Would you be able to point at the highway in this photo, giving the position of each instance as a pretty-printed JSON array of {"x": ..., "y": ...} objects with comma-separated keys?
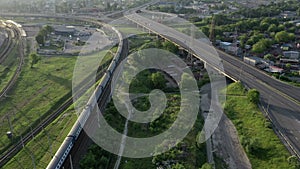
[{"x": 280, "y": 99}]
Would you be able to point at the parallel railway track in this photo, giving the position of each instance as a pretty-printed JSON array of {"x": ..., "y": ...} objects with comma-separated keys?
[
  {"x": 81, "y": 144},
  {"x": 48, "y": 120},
  {"x": 18, "y": 40},
  {"x": 9, "y": 45}
]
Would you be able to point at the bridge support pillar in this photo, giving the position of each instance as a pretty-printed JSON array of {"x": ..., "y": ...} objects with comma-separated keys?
[{"x": 182, "y": 52}]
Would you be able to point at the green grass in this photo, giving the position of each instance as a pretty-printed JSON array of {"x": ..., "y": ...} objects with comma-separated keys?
[
  {"x": 38, "y": 92},
  {"x": 262, "y": 146},
  {"x": 44, "y": 145},
  {"x": 131, "y": 30}
]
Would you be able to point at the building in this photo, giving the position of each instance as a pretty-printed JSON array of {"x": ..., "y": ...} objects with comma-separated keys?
[
  {"x": 288, "y": 14},
  {"x": 253, "y": 60},
  {"x": 274, "y": 69},
  {"x": 291, "y": 55},
  {"x": 286, "y": 47},
  {"x": 50, "y": 7},
  {"x": 64, "y": 30},
  {"x": 225, "y": 45}
]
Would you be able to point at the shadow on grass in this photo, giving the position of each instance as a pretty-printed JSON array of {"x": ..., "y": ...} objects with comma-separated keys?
[{"x": 59, "y": 80}]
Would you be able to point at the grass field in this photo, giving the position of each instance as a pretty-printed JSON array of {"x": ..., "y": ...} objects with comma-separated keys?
[
  {"x": 131, "y": 30},
  {"x": 44, "y": 146},
  {"x": 262, "y": 146},
  {"x": 38, "y": 92},
  {"x": 49, "y": 140}
]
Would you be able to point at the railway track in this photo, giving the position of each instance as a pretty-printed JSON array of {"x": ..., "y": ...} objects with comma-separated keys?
[
  {"x": 5, "y": 157},
  {"x": 9, "y": 45},
  {"x": 4, "y": 55},
  {"x": 83, "y": 141}
]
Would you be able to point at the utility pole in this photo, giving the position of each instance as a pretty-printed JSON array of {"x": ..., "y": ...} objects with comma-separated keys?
[
  {"x": 192, "y": 43},
  {"x": 71, "y": 162},
  {"x": 235, "y": 41},
  {"x": 10, "y": 126},
  {"x": 212, "y": 29}
]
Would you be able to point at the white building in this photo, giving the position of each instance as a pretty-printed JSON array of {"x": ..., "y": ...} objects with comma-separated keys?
[
  {"x": 291, "y": 54},
  {"x": 252, "y": 60}
]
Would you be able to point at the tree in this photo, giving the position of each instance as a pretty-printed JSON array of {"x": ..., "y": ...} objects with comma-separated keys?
[
  {"x": 261, "y": 45},
  {"x": 34, "y": 59},
  {"x": 48, "y": 29},
  {"x": 253, "y": 96},
  {"x": 292, "y": 30},
  {"x": 43, "y": 33},
  {"x": 89, "y": 161},
  {"x": 158, "y": 44},
  {"x": 294, "y": 161},
  {"x": 281, "y": 27},
  {"x": 264, "y": 26},
  {"x": 288, "y": 66},
  {"x": 170, "y": 47},
  {"x": 103, "y": 161},
  {"x": 284, "y": 36},
  {"x": 267, "y": 56},
  {"x": 243, "y": 39},
  {"x": 256, "y": 37},
  {"x": 272, "y": 28},
  {"x": 205, "y": 30},
  {"x": 253, "y": 146},
  {"x": 40, "y": 39},
  {"x": 158, "y": 80},
  {"x": 258, "y": 47},
  {"x": 178, "y": 166},
  {"x": 206, "y": 166}
]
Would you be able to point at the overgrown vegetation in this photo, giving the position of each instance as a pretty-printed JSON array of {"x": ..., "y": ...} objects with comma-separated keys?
[
  {"x": 262, "y": 146},
  {"x": 34, "y": 59},
  {"x": 187, "y": 154}
]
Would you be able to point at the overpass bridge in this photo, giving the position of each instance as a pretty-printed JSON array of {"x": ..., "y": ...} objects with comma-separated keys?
[{"x": 280, "y": 101}]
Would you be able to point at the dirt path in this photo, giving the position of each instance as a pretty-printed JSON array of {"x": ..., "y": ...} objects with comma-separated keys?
[{"x": 227, "y": 145}]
